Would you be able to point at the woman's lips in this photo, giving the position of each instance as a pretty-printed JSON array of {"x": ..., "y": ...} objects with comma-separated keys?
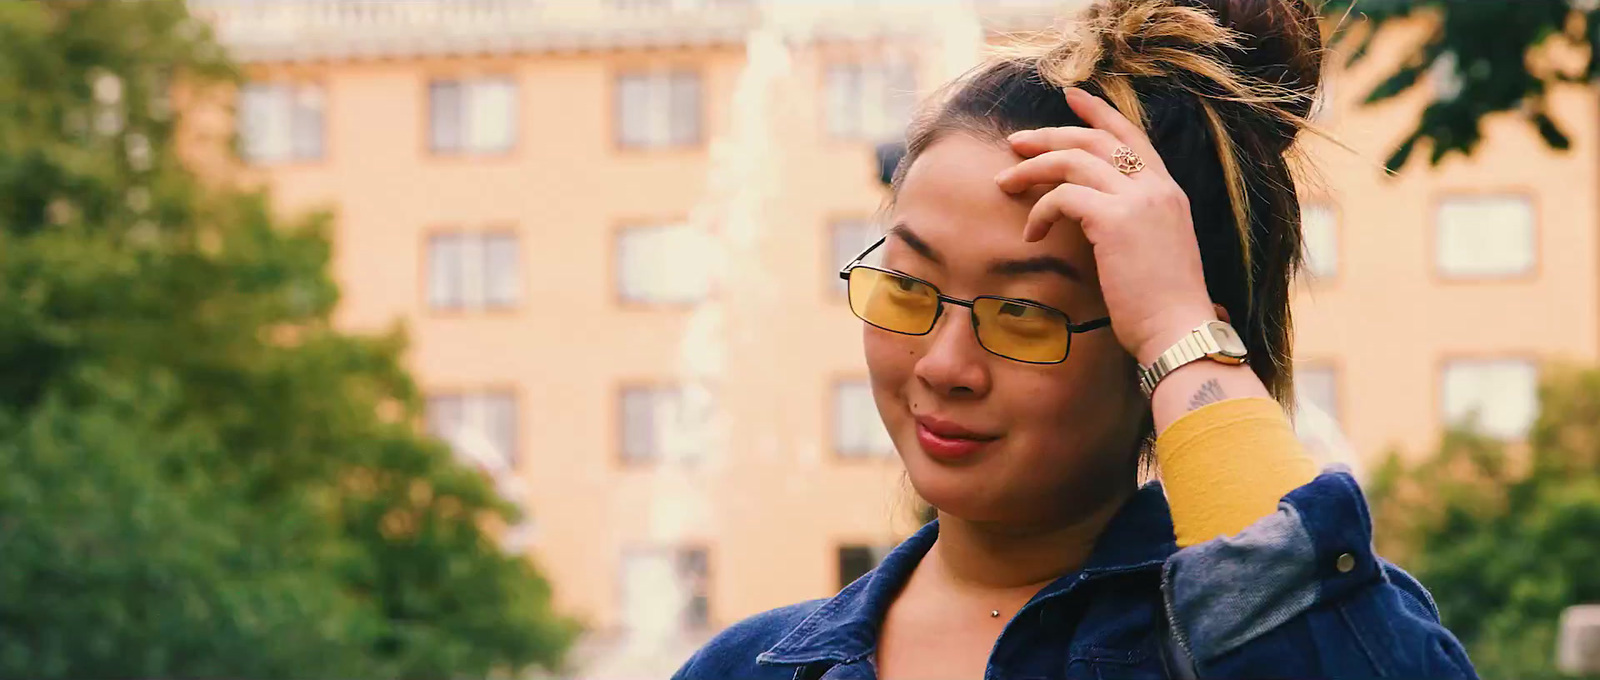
[{"x": 947, "y": 441}]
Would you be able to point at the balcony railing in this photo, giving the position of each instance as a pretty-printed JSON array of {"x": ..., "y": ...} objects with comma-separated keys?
[
  {"x": 292, "y": 30},
  {"x": 296, "y": 30}
]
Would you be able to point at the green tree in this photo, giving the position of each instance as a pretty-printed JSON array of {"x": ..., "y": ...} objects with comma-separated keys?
[
  {"x": 1505, "y": 537},
  {"x": 199, "y": 475},
  {"x": 1491, "y": 49}
]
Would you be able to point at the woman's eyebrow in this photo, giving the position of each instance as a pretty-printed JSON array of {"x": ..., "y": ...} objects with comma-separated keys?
[
  {"x": 1031, "y": 265},
  {"x": 910, "y": 238},
  {"x": 1035, "y": 265}
]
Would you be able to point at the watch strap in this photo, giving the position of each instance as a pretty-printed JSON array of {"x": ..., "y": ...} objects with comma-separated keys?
[{"x": 1196, "y": 345}]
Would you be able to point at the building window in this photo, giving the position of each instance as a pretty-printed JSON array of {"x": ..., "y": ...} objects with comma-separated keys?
[
  {"x": 1317, "y": 387},
  {"x": 479, "y": 426},
  {"x": 655, "y": 425},
  {"x": 1499, "y": 398},
  {"x": 477, "y": 116},
  {"x": 1320, "y": 227},
  {"x": 857, "y": 430},
  {"x": 470, "y": 271},
  {"x": 281, "y": 122},
  {"x": 846, "y": 239},
  {"x": 1485, "y": 236},
  {"x": 658, "y": 109},
  {"x": 856, "y": 560},
  {"x": 870, "y": 101},
  {"x": 667, "y": 264},
  {"x": 666, "y": 590}
]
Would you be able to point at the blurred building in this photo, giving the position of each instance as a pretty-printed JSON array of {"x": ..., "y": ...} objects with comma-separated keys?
[{"x": 612, "y": 228}]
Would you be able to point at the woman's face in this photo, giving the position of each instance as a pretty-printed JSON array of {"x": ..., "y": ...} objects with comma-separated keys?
[{"x": 1043, "y": 442}]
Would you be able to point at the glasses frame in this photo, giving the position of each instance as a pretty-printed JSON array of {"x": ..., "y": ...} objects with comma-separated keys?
[{"x": 1072, "y": 328}]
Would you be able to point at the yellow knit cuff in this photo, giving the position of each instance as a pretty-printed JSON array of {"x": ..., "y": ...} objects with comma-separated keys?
[{"x": 1227, "y": 464}]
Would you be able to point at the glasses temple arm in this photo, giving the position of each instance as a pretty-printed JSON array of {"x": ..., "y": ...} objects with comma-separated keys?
[
  {"x": 844, "y": 273},
  {"x": 1087, "y": 326}
]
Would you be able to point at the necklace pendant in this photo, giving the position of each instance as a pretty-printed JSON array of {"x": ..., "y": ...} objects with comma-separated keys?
[{"x": 994, "y": 613}]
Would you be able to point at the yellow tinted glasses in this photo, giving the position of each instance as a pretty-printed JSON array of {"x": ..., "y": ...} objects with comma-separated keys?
[{"x": 1020, "y": 330}]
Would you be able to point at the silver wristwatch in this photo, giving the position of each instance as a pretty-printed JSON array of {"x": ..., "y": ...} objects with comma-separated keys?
[{"x": 1214, "y": 340}]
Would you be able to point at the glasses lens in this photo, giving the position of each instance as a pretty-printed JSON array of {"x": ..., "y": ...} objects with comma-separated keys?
[
  {"x": 1022, "y": 331},
  {"x": 893, "y": 302}
]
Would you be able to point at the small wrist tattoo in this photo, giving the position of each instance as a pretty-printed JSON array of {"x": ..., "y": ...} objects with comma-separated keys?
[{"x": 1209, "y": 393}]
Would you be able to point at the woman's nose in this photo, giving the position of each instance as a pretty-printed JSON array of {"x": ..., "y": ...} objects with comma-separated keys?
[{"x": 954, "y": 364}]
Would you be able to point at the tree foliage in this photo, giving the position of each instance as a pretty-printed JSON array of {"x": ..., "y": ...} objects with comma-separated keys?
[
  {"x": 199, "y": 475},
  {"x": 1488, "y": 51},
  {"x": 1506, "y": 537}
]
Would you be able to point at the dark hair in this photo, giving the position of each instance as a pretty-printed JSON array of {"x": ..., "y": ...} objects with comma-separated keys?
[{"x": 1223, "y": 88}]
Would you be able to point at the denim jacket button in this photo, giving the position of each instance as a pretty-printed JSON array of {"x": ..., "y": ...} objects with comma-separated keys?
[{"x": 1345, "y": 563}]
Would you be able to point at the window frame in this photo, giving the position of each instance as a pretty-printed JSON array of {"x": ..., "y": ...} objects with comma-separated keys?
[
  {"x": 465, "y": 83},
  {"x": 836, "y": 289},
  {"x": 1337, "y": 217},
  {"x": 483, "y": 306},
  {"x": 831, "y": 413},
  {"x": 1441, "y": 373},
  {"x": 677, "y": 554},
  {"x": 878, "y": 550},
  {"x": 658, "y": 457},
  {"x": 1335, "y": 376},
  {"x": 514, "y": 458},
  {"x": 1435, "y": 242},
  {"x": 867, "y": 67},
  {"x": 659, "y": 80},
  {"x": 292, "y": 89},
  {"x": 617, "y": 270}
]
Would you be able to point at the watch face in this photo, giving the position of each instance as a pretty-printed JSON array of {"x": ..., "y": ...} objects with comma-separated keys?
[{"x": 1227, "y": 339}]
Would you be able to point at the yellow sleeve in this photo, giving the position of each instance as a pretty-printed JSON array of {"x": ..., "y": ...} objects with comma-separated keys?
[{"x": 1227, "y": 464}]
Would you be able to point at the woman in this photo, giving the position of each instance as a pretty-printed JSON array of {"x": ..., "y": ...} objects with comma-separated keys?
[{"x": 1077, "y": 231}]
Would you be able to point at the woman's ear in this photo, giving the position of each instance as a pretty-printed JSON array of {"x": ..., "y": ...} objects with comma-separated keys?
[{"x": 1222, "y": 313}]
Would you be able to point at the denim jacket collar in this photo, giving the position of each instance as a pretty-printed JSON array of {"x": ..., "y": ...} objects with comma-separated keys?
[{"x": 844, "y": 629}]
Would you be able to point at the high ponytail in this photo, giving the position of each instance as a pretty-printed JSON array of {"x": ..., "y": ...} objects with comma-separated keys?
[{"x": 1223, "y": 88}]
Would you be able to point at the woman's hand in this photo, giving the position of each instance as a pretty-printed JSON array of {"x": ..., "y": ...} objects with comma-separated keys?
[{"x": 1139, "y": 224}]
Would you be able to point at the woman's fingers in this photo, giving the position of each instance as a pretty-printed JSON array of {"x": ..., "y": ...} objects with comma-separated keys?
[
  {"x": 1065, "y": 202},
  {"x": 1030, "y": 143},
  {"x": 1078, "y": 162},
  {"x": 1102, "y": 115},
  {"x": 1072, "y": 166}
]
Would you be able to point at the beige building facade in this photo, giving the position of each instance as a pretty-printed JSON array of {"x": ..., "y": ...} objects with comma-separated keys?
[{"x": 611, "y": 231}]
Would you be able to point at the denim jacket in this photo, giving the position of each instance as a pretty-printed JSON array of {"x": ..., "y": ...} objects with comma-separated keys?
[{"x": 1298, "y": 594}]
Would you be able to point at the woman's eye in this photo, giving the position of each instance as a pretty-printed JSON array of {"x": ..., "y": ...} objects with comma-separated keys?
[
  {"x": 908, "y": 292},
  {"x": 1018, "y": 312},
  {"x": 1019, "y": 318}
]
